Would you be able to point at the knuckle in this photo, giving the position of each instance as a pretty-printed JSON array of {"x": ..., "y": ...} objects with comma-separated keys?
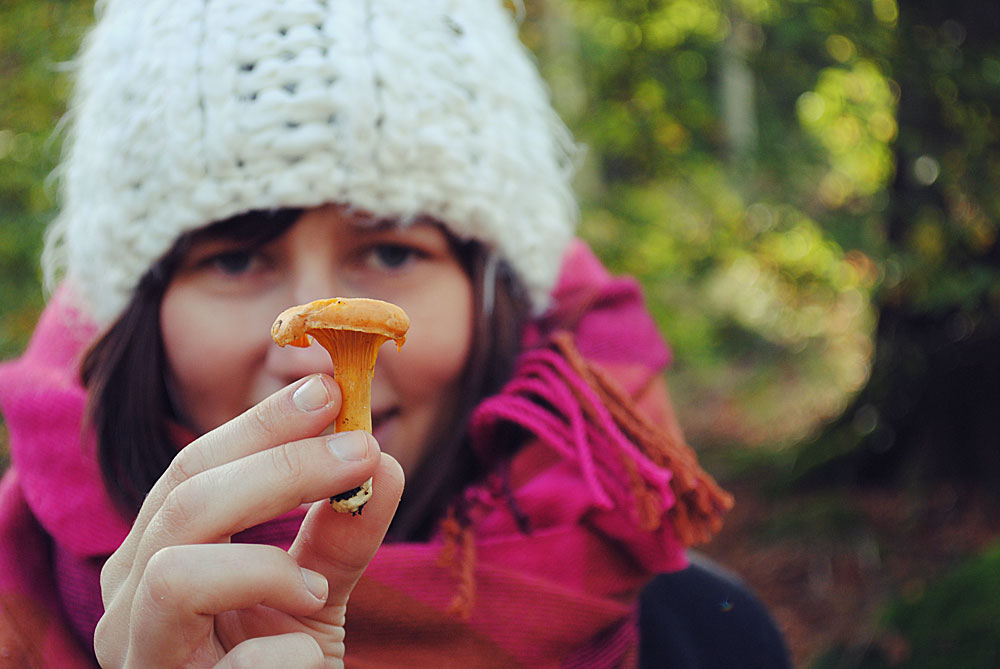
[
  {"x": 104, "y": 643},
  {"x": 161, "y": 576},
  {"x": 287, "y": 464},
  {"x": 185, "y": 465},
  {"x": 111, "y": 577},
  {"x": 263, "y": 419},
  {"x": 181, "y": 507}
]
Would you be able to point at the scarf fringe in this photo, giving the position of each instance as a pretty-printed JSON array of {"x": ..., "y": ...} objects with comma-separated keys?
[
  {"x": 459, "y": 553},
  {"x": 577, "y": 408},
  {"x": 700, "y": 502}
]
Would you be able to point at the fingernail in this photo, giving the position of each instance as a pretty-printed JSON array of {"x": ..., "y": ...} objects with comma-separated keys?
[
  {"x": 349, "y": 445},
  {"x": 311, "y": 395},
  {"x": 316, "y": 583}
]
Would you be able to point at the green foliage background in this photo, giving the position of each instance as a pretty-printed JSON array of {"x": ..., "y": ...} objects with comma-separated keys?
[
  {"x": 37, "y": 39},
  {"x": 740, "y": 156}
]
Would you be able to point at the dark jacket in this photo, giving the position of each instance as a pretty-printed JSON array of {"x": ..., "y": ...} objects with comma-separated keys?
[{"x": 705, "y": 617}]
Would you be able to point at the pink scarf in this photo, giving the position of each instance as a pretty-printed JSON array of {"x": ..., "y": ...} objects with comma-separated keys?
[
  {"x": 57, "y": 524},
  {"x": 539, "y": 565}
]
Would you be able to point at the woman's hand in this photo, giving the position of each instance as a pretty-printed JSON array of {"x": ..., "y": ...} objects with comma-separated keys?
[{"x": 178, "y": 593}]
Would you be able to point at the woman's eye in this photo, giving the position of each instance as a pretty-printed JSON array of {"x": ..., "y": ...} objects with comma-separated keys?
[
  {"x": 392, "y": 256},
  {"x": 233, "y": 263}
]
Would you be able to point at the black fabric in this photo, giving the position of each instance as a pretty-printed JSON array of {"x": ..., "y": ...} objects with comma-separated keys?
[{"x": 705, "y": 617}]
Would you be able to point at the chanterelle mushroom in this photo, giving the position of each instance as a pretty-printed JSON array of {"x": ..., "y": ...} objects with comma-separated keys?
[{"x": 351, "y": 330}]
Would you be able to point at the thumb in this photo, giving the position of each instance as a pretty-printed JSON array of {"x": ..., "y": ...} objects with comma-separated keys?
[{"x": 340, "y": 545}]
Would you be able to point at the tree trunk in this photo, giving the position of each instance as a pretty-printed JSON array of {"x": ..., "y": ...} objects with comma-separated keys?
[{"x": 931, "y": 408}]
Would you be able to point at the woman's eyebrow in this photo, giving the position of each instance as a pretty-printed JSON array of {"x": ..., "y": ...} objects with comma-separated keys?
[
  {"x": 251, "y": 233},
  {"x": 383, "y": 224},
  {"x": 252, "y": 227},
  {"x": 372, "y": 224}
]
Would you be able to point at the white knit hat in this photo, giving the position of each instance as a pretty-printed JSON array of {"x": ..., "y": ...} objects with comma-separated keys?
[{"x": 187, "y": 112}]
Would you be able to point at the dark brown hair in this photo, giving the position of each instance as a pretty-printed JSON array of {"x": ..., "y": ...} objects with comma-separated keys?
[
  {"x": 449, "y": 464},
  {"x": 131, "y": 411}
]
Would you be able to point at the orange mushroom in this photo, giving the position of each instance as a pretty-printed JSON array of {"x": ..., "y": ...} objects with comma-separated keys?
[{"x": 351, "y": 330}]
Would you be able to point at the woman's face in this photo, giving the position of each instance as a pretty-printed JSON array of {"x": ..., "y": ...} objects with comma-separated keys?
[{"x": 218, "y": 309}]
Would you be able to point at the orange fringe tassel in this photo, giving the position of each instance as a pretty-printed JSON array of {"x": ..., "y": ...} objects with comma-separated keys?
[
  {"x": 701, "y": 502},
  {"x": 458, "y": 537}
]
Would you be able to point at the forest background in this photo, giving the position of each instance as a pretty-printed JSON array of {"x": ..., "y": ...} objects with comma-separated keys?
[{"x": 808, "y": 193}]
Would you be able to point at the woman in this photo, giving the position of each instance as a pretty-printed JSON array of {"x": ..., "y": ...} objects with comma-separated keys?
[{"x": 228, "y": 160}]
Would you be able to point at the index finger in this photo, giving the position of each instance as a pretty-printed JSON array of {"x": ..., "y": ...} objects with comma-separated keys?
[{"x": 300, "y": 410}]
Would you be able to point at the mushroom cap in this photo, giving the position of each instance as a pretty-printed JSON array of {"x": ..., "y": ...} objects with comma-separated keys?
[{"x": 358, "y": 314}]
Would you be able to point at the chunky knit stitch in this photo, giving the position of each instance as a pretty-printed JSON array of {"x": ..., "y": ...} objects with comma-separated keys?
[{"x": 188, "y": 112}]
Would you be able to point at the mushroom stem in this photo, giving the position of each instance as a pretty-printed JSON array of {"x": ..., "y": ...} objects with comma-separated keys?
[{"x": 353, "y": 355}]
